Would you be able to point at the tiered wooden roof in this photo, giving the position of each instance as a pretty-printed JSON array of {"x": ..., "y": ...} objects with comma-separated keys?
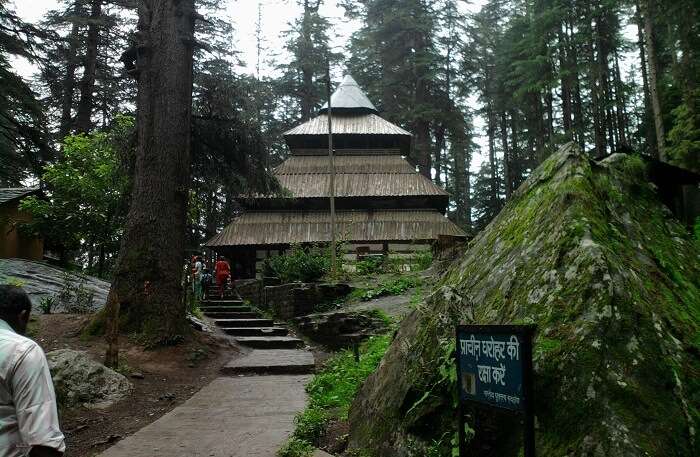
[
  {"x": 379, "y": 194},
  {"x": 287, "y": 227}
]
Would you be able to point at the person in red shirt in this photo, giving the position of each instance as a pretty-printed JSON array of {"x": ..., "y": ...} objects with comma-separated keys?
[{"x": 222, "y": 272}]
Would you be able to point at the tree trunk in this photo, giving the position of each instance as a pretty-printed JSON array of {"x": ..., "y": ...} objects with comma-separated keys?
[
  {"x": 439, "y": 146},
  {"x": 653, "y": 79},
  {"x": 307, "y": 81},
  {"x": 69, "y": 78},
  {"x": 146, "y": 288},
  {"x": 491, "y": 132},
  {"x": 507, "y": 181},
  {"x": 648, "y": 117},
  {"x": 621, "y": 109},
  {"x": 87, "y": 82},
  {"x": 462, "y": 188},
  {"x": 564, "y": 71}
]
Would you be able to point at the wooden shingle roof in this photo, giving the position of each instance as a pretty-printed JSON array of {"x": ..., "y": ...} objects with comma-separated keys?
[
  {"x": 356, "y": 176},
  {"x": 348, "y": 124},
  {"x": 288, "y": 227},
  {"x": 8, "y": 194}
]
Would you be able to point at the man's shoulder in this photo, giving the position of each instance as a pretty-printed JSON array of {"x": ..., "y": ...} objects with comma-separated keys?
[{"x": 19, "y": 342}]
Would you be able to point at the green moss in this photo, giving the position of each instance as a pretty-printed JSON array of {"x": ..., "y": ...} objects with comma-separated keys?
[{"x": 587, "y": 252}]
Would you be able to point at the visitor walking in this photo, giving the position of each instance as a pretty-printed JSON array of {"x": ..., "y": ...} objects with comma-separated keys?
[
  {"x": 197, "y": 278},
  {"x": 28, "y": 416},
  {"x": 222, "y": 272}
]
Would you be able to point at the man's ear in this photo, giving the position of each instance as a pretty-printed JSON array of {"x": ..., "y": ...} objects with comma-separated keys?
[{"x": 24, "y": 316}]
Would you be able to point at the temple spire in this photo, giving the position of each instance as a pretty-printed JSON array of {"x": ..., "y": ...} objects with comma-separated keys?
[{"x": 349, "y": 98}]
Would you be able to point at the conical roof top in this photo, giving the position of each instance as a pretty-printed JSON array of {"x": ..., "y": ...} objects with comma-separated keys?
[{"x": 349, "y": 98}]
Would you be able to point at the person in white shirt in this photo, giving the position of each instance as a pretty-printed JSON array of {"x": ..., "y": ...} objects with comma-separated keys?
[
  {"x": 198, "y": 267},
  {"x": 28, "y": 415}
]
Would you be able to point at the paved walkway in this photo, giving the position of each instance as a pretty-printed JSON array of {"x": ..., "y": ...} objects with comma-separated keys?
[
  {"x": 236, "y": 416},
  {"x": 231, "y": 417}
]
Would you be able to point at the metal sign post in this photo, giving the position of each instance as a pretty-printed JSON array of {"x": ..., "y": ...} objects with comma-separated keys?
[{"x": 494, "y": 369}]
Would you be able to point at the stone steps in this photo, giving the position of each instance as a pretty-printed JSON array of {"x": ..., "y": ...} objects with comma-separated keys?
[
  {"x": 226, "y": 309},
  {"x": 272, "y": 361},
  {"x": 256, "y": 331},
  {"x": 221, "y": 303},
  {"x": 270, "y": 342},
  {"x": 236, "y": 323},
  {"x": 250, "y": 329},
  {"x": 232, "y": 315},
  {"x": 228, "y": 315}
]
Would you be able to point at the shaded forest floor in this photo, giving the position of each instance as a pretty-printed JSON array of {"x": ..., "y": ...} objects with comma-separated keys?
[{"x": 171, "y": 375}]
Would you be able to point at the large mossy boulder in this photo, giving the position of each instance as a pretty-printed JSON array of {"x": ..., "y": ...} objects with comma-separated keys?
[
  {"x": 586, "y": 251},
  {"x": 81, "y": 381}
]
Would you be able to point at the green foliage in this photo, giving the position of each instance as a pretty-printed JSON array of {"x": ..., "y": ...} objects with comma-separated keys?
[
  {"x": 23, "y": 139},
  {"x": 12, "y": 281},
  {"x": 684, "y": 137},
  {"x": 300, "y": 264},
  {"x": 310, "y": 424},
  {"x": 331, "y": 392},
  {"x": 394, "y": 287},
  {"x": 295, "y": 447},
  {"x": 370, "y": 265},
  {"x": 47, "y": 304},
  {"x": 74, "y": 297},
  {"x": 85, "y": 210},
  {"x": 696, "y": 229},
  {"x": 335, "y": 386},
  {"x": 423, "y": 260}
]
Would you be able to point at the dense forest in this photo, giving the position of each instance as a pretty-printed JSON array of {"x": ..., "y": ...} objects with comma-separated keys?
[{"x": 610, "y": 75}]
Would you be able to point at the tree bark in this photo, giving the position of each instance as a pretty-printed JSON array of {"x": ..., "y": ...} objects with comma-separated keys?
[
  {"x": 491, "y": 132},
  {"x": 83, "y": 121},
  {"x": 648, "y": 117},
  {"x": 146, "y": 289},
  {"x": 307, "y": 81},
  {"x": 69, "y": 77},
  {"x": 653, "y": 79},
  {"x": 507, "y": 181}
]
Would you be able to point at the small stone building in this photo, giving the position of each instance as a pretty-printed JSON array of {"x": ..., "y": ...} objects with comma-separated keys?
[
  {"x": 383, "y": 205},
  {"x": 13, "y": 244}
]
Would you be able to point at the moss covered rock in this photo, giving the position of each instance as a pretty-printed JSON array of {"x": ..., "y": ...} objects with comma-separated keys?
[{"x": 586, "y": 251}]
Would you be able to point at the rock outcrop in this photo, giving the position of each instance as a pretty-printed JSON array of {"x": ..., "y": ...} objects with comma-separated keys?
[
  {"x": 80, "y": 381},
  {"x": 586, "y": 251},
  {"x": 341, "y": 329},
  {"x": 41, "y": 280}
]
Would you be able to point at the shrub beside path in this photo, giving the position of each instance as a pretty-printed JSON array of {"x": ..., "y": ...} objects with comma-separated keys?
[{"x": 249, "y": 411}]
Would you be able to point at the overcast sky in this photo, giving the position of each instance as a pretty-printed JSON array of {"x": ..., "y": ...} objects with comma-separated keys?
[{"x": 243, "y": 14}]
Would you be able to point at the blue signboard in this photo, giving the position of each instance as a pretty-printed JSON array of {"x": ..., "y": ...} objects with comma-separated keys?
[{"x": 494, "y": 364}]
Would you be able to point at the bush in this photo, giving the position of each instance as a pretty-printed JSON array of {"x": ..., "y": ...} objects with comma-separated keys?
[
  {"x": 331, "y": 392},
  {"x": 370, "y": 265},
  {"x": 300, "y": 264},
  {"x": 697, "y": 229},
  {"x": 423, "y": 260},
  {"x": 75, "y": 298},
  {"x": 395, "y": 287},
  {"x": 46, "y": 304},
  {"x": 310, "y": 424},
  {"x": 295, "y": 448}
]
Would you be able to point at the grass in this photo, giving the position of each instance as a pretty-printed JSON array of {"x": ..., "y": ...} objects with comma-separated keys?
[
  {"x": 331, "y": 393},
  {"x": 393, "y": 287}
]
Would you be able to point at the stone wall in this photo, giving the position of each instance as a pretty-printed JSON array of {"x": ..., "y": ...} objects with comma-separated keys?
[
  {"x": 299, "y": 299},
  {"x": 251, "y": 290}
]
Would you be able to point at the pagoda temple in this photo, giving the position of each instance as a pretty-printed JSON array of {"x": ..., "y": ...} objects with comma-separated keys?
[{"x": 383, "y": 205}]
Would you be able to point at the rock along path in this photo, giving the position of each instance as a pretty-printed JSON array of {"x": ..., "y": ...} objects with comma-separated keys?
[{"x": 235, "y": 415}]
